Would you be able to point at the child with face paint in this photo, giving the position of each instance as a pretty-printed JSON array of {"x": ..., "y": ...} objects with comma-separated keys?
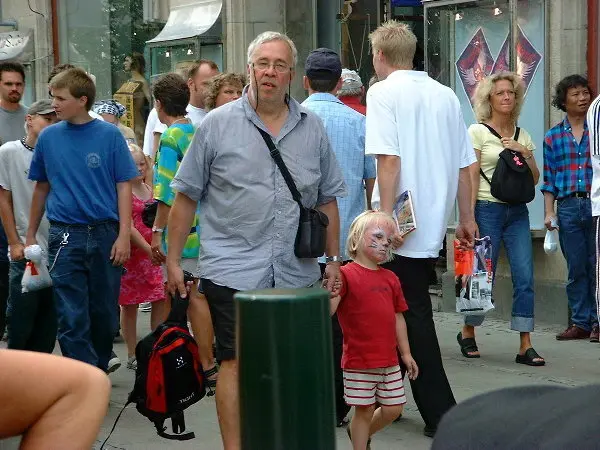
[{"x": 369, "y": 308}]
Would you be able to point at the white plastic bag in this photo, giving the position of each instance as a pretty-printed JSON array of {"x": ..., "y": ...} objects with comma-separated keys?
[
  {"x": 551, "y": 241},
  {"x": 36, "y": 274},
  {"x": 473, "y": 278}
]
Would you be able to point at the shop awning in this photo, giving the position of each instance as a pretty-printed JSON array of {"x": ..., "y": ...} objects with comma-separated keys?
[
  {"x": 16, "y": 46},
  {"x": 189, "y": 20}
]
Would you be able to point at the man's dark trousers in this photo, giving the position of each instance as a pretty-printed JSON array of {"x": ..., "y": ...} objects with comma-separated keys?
[{"x": 431, "y": 390}]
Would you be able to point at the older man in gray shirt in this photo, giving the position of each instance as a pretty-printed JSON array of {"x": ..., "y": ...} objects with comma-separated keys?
[{"x": 248, "y": 217}]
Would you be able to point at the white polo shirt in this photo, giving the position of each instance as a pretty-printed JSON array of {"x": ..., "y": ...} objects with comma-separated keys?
[
  {"x": 593, "y": 121},
  {"x": 411, "y": 116},
  {"x": 153, "y": 125}
]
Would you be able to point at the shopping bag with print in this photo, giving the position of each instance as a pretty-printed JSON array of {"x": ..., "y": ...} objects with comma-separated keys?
[
  {"x": 473, "y": 278},
  {"x": 36, "y": 274}
]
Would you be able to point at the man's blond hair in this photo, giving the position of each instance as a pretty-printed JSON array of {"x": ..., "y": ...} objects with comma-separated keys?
[{"x": 396, "y": 41}]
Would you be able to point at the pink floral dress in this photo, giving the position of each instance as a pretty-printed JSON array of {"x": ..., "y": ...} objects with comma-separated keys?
[{"x": 143, "y": 281}]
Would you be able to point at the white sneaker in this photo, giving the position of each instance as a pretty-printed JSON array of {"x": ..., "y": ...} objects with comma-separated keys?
[
  {"x": 145, "y": 307},
  {"x": 113, "y": 363}
]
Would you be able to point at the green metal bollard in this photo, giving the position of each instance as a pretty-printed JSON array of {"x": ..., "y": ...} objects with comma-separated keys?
[{"x": 285, "y": 369}]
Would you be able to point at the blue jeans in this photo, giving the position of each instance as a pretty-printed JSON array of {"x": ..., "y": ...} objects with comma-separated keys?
[
  {"x": 86, "y": 289},
  {"x": 510, "y": 225},
  {"x": 31, "y": 315},
  {"x": 576, "y": 236}
]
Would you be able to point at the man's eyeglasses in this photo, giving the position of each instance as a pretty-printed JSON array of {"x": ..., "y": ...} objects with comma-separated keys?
[{"x": 264, "y": 65}]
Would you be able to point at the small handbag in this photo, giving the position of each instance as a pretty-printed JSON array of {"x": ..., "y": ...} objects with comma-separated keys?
[
  {"x": 311, "y": 236},
  {"x": 149, "y": 213},
  {"x": 512, "y": 181}
]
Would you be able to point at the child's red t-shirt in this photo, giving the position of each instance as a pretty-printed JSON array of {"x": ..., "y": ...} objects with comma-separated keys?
[{"x": 367, "y": 315}]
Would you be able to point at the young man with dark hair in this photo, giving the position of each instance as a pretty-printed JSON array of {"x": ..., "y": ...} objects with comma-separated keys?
[
  {"x": 346, "y": 132},
  {"x": 32, "y": 316},
  {"x": 83, "y": 169},
  {"x": 567, "y": 180}
]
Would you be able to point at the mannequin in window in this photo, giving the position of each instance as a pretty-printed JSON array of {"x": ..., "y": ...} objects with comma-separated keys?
[{"x": 135, "y": 64}]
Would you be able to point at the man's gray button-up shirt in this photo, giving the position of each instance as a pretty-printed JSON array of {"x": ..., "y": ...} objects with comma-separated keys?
[{"x": 248, "y": 218}]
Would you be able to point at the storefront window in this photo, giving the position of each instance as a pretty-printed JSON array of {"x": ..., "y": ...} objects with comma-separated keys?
[
  {"x": 467, "y": 41},
  {"x": 167, "y": 57},
  {"x": 97, "y": 35}
]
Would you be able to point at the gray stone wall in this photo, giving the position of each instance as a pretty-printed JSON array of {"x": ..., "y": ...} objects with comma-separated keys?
[{"x": 244, "y": 20}]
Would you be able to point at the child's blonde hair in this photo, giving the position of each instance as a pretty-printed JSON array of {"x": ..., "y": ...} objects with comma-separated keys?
[
  {"x": 135, "y": 149},
  {"x": 358, "y": 227}
]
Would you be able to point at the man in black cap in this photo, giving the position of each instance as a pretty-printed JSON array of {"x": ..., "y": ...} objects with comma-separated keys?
[{"x": 346, "y": 132}]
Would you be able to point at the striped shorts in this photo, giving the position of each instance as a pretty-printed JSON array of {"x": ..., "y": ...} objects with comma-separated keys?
[{"x": 369, "y": 386}]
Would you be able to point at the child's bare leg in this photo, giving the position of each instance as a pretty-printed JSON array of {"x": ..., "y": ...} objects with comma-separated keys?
[
  {"x": 383, "y": 416},
  {"x": 360, "y": 425}
]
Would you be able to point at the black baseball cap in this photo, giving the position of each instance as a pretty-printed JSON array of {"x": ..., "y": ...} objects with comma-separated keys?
[{"x": 323, "y": 63}]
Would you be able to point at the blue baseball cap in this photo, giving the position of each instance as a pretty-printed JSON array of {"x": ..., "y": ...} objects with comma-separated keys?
[{"x": 323, "y": 63}]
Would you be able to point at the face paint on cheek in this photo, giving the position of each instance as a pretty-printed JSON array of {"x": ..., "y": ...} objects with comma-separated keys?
[{"x": 376, "y": 246}]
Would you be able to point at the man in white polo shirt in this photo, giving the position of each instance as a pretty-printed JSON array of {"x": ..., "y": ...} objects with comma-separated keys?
[
  {"x": 416, "y": 129},
  {"x": 593, "y": 121}
]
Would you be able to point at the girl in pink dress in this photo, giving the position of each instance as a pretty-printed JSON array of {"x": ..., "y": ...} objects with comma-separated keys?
[{"x": 143, "y": 282}]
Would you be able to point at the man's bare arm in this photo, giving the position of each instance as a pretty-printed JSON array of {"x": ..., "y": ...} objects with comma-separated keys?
[
  {"x": 332, "y": 247},
  {"x": 38, "y": 206},
  {"x": 388, "y": 176},
  {"x": 369, "y": 186},
  {"x": 8, "y": 217},
  {"x": 180, "y": 221},
  {"x": 466, "y": 230}
]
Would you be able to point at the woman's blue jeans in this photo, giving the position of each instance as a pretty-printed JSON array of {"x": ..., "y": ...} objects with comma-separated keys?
[{"x": 509, "y": 225}]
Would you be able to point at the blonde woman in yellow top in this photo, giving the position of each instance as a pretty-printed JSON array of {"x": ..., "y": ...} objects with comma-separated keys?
[{"x": 497, "y": 103}]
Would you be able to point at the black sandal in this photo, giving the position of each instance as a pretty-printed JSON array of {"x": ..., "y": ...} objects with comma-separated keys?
[
  {"x": 467, "y": 345},
  {"x": 528, "y": 358},
  {"x": 211, "y": 384}
]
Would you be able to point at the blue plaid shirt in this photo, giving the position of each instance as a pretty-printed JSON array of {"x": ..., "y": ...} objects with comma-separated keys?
[
  {"x": 567, "y": 163},
  {"x": 346, "y": 132}
]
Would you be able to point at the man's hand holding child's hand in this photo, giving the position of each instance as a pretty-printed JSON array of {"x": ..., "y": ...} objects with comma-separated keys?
[{"x": 411, "y": 366}]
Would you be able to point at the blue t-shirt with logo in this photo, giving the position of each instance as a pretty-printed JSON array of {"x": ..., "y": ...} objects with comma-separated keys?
[{"x": 83, "y": 164}]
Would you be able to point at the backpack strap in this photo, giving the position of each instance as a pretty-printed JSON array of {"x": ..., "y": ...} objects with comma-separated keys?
[
  {"x": 115, "y": 423},
  {"x": 179, "y": 306},
  {"x": 178, "y": 426},
  {"x": 495, "y": 133},
  {"x": 484, "y": 176}
]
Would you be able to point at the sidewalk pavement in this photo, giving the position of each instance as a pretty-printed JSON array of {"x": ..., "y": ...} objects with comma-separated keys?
[{"x": 571, "y": 363}]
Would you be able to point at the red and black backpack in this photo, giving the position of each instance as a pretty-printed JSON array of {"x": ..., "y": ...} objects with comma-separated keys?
[{"x": 169, "y": 376}]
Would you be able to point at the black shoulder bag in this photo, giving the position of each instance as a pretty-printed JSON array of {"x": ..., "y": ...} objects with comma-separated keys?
[
  {"x": 312, "y": 228},
  {"x": 512, "y": 181}
]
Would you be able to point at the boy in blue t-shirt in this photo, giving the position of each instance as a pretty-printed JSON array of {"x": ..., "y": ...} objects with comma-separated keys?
[{"x": 83, "y": 171}]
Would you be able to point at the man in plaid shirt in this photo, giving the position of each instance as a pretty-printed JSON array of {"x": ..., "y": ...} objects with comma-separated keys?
[{"x": 567, "y": 179}]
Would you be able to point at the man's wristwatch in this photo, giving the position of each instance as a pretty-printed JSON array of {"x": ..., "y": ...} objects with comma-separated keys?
[
  {"x": 330, "y": 259},
  {"x": 157, "y": 230}
]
